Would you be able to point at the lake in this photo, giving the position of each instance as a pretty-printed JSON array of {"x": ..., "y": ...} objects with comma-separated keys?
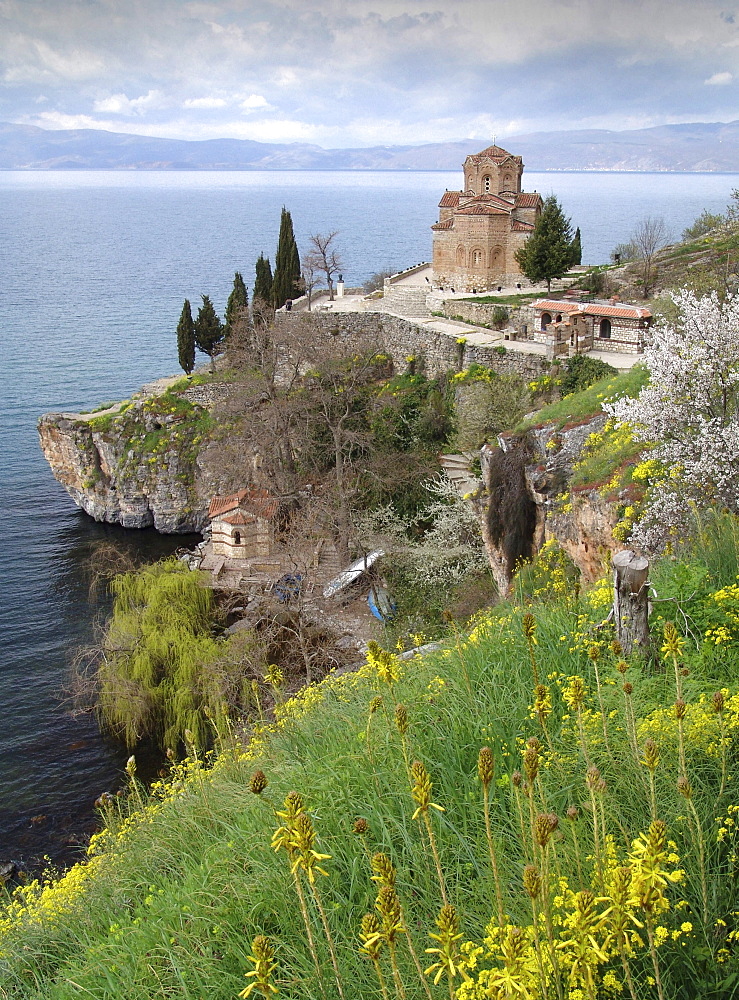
[{"x": 94, "y": 267}]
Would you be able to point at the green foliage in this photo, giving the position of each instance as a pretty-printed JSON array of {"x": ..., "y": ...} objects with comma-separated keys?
[
  {"x": 550, "y": 576},
  {"x": 161, "y": 667},
  {"x": 263, "y": 281},
  {"x": 411, "y": 411},
  {"x": 581, "y": 371},
  {"x": 705, "y": 223},
  {"x": 607, "y": 458},
  {"x": 588, "y": 402},
  {"x": 625, "y": 252},
  {"x": 208, "y": 329},
  {"x": 238, "y": 303},
  {"x": 285, "y": 284},
  {"x": 548, "y": 251},
  {"x": 486, "y": 404},
  {"x": 500, "y": 316},
  {"x": 186, "y": 339}
]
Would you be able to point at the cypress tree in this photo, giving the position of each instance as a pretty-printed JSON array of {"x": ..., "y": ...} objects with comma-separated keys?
[
  {"x": 263, "y": 281},
  {"x": 186, "y": 339},
  {"x": 287, "y": 264},
  {"x": 209, "y": 331},
  {"x": 547, "y": 253},
  {"x": 238, "y": 302},
  {"x": 576, "y": 248}
]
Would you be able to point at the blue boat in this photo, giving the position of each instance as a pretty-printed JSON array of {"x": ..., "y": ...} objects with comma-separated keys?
[{"x": 381, "y": 604}]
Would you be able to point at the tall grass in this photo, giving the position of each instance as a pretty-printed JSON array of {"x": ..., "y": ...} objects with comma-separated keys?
[{"x": 174, "y": 897}]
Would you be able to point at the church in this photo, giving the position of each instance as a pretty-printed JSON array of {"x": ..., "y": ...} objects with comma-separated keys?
[{"x": 481, "y": 227}]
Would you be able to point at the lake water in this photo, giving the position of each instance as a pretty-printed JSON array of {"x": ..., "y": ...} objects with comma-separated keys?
[{"x": 94, "y": 267}]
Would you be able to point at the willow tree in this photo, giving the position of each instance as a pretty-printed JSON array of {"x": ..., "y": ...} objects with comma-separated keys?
[{"x": 160, "y": 670}]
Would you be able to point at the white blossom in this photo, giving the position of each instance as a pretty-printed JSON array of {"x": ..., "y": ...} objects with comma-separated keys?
[{"x": 689, "y": 412}]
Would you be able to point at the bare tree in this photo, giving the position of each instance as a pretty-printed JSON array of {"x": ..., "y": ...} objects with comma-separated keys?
[
  {"x": 324, "y": 256},
  {"x": 649, "y": 237},
  {"x": 309, "y": 277}
]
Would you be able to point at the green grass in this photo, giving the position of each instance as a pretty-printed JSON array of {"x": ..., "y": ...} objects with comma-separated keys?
[
  {"x": 170, "y": 905},
  {"x": 503, "y": 300},
  {"x": 579, "y": 406}
]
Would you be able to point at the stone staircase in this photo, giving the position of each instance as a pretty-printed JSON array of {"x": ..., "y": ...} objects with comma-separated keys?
[{"x": 457, "y": 468}]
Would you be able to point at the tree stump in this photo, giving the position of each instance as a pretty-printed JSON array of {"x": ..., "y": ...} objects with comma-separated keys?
[{"x": 631, "y": 600}]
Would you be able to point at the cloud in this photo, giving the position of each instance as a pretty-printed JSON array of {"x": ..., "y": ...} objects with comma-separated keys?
[
  {"x": 253, "y": 102},
  {"x": 205, "y": 103},
  {"x": 119, "y": 104},
  {"x": 719, "y": 79},
  {"x": 369, "y": 71}
]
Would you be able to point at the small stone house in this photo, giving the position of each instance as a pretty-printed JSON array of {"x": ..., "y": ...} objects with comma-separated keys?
[
  {"x": 243, "y": 525},
  {"x": 568, "y": 328},
  {"x": 481, "y": 227}
]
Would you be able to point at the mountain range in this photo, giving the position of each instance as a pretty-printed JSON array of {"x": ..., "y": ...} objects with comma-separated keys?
[{"x": 690, "y": 147}]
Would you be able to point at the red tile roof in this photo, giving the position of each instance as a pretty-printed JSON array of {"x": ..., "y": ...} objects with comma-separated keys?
[
  {"x": 450, "y": 199},
  {"x": 238, "y": 517},
  {"x": 521, "y": 227},
  {"x": 475, "y": 208},
  {"x": 617, "y": 312},
  {"x": 254, "y": 501},
  {"x": 623, "y": 311},
  {"x": 554, "y": 305},
  {"x": 528, "y": 199},
  {"x": 447, "y": 224},
  {"x": 496, "y": 153}
]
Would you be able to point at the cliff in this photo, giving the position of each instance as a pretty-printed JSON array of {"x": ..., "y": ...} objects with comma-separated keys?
[{"x": 136, "y": 464}]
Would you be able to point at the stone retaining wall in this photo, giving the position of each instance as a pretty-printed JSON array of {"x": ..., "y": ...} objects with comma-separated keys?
[{"x": 437, "y": 352}]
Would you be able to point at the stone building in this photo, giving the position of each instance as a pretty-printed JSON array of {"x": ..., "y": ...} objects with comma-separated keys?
[
  {"x": 569, "y": 328},
  {"x": 481, "y": 227},
  {"x": 242, "y": 527}
]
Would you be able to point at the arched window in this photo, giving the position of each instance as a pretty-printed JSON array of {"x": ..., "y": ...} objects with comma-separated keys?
[
  {"x": 496, "y": 255},
  {"x": 237, "y": 538},
  {"x": 604, "y": 329},
  {"x": 487, "y": 184},
  {"x": 546, "y": 319},
  {"x": 559, "y": 318},
  {"x": 460, "y": 256},
  {"x": 477, "y": 258}
]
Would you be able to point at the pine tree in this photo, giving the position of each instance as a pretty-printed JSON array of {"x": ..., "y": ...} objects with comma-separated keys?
[
  {"x": 547, "y": 253},
  {"x": 287, "y": 264},
  {"x": 263, "y": 282},
  {"x": 209, "y": 331},
  {"x": 576, "y": 249},
  {"x": 186, "y": 339},
  {"x": 238, "y": 303}
]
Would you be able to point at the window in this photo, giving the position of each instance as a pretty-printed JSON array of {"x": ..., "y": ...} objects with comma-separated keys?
[
  {"x": 477, "y": 258},
  {"x": 237, "y": 538},
  {"x": 604, "y": 329},
  {"x": 546, "y": 318},
  {"x": 487, "y": 183}
]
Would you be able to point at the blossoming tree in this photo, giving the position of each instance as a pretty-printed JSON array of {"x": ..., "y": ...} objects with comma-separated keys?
[{"x": 689, "y": 411}]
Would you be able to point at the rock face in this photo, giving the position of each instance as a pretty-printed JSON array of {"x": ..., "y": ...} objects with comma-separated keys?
[
  {"x": 114, "y": 481},
  {"x": 583, "y": 525}
]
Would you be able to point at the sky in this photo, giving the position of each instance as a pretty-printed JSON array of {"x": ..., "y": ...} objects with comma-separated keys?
[{"x": 348, "y": 73}]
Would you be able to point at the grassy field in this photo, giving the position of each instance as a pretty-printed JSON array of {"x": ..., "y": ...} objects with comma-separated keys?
[{"x": 574, "y": 857}]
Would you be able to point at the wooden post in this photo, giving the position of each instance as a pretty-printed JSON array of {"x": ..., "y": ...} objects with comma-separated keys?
[{"x": 631, "y": 600}]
